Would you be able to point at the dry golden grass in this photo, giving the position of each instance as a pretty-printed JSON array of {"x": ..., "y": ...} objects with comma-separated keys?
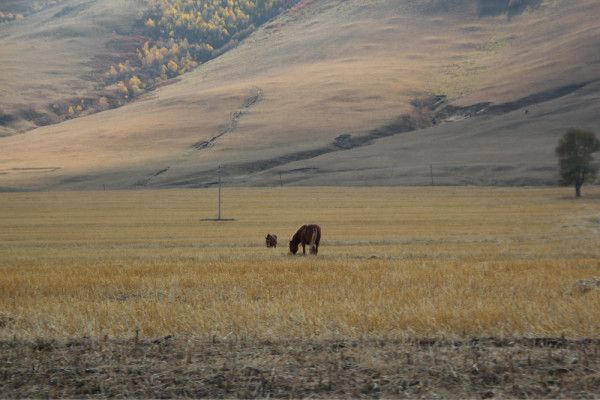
[{"x": 394, "y": 262}]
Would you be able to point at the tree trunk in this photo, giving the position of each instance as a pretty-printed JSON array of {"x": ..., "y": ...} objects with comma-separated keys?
[{"x": 577, "y": 190}]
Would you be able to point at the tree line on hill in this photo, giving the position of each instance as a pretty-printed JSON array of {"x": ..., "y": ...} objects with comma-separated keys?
[{"x": 185, "y": 33}]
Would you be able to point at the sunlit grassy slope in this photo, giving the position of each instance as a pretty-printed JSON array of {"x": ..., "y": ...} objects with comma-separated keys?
[
  {"x": 52, "y": 54},
  {"x": 331, "y": 67},
  {"x": 393, "y": 262}
]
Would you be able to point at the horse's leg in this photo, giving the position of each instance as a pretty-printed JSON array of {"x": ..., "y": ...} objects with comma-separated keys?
[
  {"x": 318, "y": 241},
  {"x": 303, "y": 248},
  {"x": 313, "y": 243}
]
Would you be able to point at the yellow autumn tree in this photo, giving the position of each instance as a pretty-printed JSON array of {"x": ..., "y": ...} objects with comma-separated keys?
[
  {"x": 103, "y": 103},
  {"x": 122, "y": 89},
  {"x": 172, "y": 66},
  {"x": 164, "y": 73},
  {"x": 135, "y": 85}
]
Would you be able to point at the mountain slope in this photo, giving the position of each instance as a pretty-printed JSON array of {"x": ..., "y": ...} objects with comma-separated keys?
[
  {"x": 49, "y": 56},
  {"x": 280, "y": 102}
]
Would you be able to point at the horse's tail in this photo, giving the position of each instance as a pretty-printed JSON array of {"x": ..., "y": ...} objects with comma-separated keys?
[
  {"x": 313, "y": 237},
  {"x": 317, "y": 239}
]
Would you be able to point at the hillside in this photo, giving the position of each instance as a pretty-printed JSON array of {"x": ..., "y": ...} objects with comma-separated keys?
[
  {"x": 49, "y": 57},
  {"x": 71, "y": 58},
  {"x": 332, "y": 92}
]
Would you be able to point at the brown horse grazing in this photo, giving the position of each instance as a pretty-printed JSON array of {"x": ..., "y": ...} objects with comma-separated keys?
[
  {"x": 271, "y": 240},
  {"x": 306, "y": 235}
]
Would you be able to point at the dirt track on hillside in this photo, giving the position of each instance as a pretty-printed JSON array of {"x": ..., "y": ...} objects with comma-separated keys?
[{"x": 177, "y": 367}]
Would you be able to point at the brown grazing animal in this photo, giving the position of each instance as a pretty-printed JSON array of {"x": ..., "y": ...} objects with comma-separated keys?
[
  {"x": 306, "y": 235},
  {"x": 271, "y": 240}
]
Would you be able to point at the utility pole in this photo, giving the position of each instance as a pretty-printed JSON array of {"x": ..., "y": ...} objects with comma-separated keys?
[
  {"x": 280, "y": 180},
  {"x": 219, "y": 215},
  {"x": 219, "y": 218},
  {"x": 431, "y": 172}
]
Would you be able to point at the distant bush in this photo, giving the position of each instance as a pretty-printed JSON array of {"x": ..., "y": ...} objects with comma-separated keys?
[{"x": 6, "y": 17}]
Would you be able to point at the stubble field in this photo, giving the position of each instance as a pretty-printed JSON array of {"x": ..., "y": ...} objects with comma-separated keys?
[{"x": 396, "y": 265}]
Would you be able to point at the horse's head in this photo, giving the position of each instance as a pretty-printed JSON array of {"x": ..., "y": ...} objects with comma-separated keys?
[{"x": 293, "y": 247}]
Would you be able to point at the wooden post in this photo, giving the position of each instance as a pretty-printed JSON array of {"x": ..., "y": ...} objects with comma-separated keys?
[
  {"x": 219, "y": 217},
  {"x": 431, "y": 172},
  {"x": 219, "y": 200}
]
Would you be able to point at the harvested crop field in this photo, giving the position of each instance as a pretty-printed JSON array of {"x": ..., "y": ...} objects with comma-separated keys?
[
  {"x": 177, "y": 367},
  {"x": 407, "y": 285}
]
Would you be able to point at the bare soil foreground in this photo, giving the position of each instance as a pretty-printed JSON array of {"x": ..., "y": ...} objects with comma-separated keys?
[{"x": 174, "y": 367}]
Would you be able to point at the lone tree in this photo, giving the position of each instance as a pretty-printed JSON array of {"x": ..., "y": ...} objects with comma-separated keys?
[{"x": 574, "y": 153}]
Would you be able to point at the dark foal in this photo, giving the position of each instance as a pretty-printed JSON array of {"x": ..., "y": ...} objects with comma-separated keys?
[
  {"x": 307, "y": 235},
  {"x": 271, "y": 240}
]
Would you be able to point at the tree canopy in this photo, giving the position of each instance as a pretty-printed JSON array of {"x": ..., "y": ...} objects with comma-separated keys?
[
  {"x": 184, "y": 33},
  {"x": 574, "y": 153}
]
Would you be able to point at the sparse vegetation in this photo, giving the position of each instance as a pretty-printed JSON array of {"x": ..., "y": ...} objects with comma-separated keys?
[
  {"x": 173, "y": 367},
  {"x": 574, "y": 153},
  {"x": 16, "y": 10},
  {"x": 8, "y": 16}
]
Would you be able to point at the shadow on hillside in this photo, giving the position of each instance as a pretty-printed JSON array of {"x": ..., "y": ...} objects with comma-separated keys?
[{"x": 512, "y": 8}]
